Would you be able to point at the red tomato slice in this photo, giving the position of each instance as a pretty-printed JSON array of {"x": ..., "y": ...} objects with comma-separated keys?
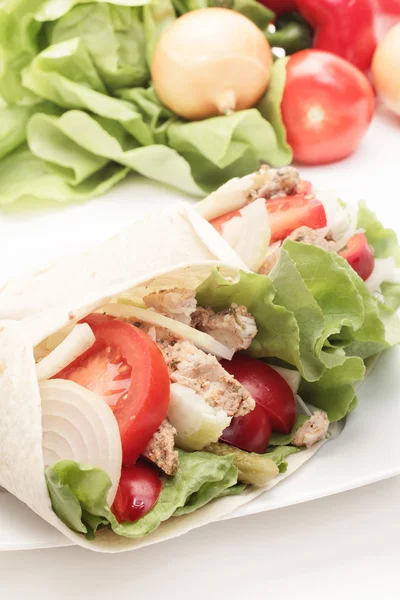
[
  {"x": 128, "y": 370},
  {"x": 268, "y": 389},
  {"x": 251, "y": 432},
  {"x": 290, "y": 212},
  {"x": 138, "y": 491},
  {"x": 327, "y": 106},
  {"x": 286, "y": 214},
  {"x": 359, "y": 255}
]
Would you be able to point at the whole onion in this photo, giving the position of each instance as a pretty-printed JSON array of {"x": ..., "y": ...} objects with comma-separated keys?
[{"x": 209, "y": 62}]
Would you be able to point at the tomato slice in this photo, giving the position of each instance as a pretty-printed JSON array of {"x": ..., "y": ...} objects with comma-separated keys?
[
  {"x": 359, "y": 255},
  {"x": 286, "y": 214},
  {"x": 125, "y": 367},
  {"x": 268, "y": 389},
  {"x": 138, "y": 491},
  {"x": 251, "y": 432},
  {"x": 290, "y": 212}
]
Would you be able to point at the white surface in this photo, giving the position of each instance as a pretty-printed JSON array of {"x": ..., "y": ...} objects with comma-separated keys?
[{"x": 322, "y": 547}]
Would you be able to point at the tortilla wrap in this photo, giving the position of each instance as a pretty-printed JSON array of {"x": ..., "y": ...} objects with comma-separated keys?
[{"x": 173, "y": 249}]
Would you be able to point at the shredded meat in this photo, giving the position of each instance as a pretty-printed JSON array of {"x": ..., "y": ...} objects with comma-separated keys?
[
  {"x": 161, "y": 335},
  {"x": 233, "y": 327},
  {"x": 178, "y": 304},
  {"x": 202, "y": 373},
  {"x": 160, "y": 450},
  {"x": 313, "y": 430},
  {"x": 271, "y": 258},
  {"x": 274, "y": 183},
  {"x": 309, "y": 236}
]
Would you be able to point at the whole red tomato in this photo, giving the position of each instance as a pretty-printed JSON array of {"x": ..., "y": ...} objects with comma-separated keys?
[{"x": 327, "y": 106}]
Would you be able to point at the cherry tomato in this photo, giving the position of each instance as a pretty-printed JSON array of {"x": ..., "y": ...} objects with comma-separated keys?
[
  {"x": 128, "y": 370},
  {"x": 359, "y": 255},
  {"x": 268, "y": 389},
  {"x": 327, "y": 106},
  {"x": 138, "y": 491},
  {"x": 290, "y": 212},
  {"x": 251, "y": 432}
]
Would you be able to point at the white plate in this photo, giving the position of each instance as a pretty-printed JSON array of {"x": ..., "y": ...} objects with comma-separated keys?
[{"x": 368, "y": 449}]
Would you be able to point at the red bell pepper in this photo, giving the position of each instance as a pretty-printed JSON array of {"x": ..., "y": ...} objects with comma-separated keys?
[{"x": 343, "y": 27}]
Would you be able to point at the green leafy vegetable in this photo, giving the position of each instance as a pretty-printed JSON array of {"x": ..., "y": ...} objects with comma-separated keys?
[
  {"x": 315, "y": 313},
  {"x": 90, "y": 63},
  {"x": 279, "y": 454},
  {"x": 79, "y": 493}
]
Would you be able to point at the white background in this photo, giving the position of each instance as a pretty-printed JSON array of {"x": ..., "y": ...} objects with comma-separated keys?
[{"x": 343, "y": 546}]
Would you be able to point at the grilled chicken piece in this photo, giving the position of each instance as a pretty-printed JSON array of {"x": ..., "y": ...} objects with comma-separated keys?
[
  {"x": 275, "y": 183},
  {"x": 233, "y": 327},
  {"x": 313, "y": 430},
  {"x": 202, "y": 372},
  {"x": 160, "y": 450},
  {"x": 178, "y": 304},
  {"x": 309, "y": 236}
]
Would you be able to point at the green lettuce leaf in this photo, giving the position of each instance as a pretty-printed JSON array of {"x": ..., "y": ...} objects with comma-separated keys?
[
  {"x": 209, "y": 491},
  {"x": 25, "y": 177},
  {"x": 113, "y": 36},
  {"x": 385, "y": 244},
  {"x": 279, "y": 454},
  {"x": 78, "y": 493},
  {"x": 334, "y": 392},
  {"x": 104, "y": 139}
]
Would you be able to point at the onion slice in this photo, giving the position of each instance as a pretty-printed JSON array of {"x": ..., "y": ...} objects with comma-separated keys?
[
  {"x": 202, "y": 340},
  {"x": 232, "y": 195},
  {"x": 249, "y": 235},
  {"x": 78, "y": 425},
  {"x": 76, "y": 343},
  {"x": 197, "y": 424}
]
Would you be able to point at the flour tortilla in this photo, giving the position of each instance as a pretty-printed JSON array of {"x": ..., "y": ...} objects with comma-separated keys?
[{"x": 174, "y": 249}]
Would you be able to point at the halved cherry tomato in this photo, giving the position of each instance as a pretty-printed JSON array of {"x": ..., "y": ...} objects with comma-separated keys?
[
  {"x": 327, "y": 106},
  {"x": 138, "y": 491},
  {"x": 268, "y": 389},
  {"x": 251, "y": 432},
  {"x": 290, "y": 212},
  {"x": 128, "y": 370},
  {"x": 359, "y": 255},
  {"x": 286, "y": 214}
]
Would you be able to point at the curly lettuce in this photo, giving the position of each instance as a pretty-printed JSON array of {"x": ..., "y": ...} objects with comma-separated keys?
[
  {"x": 90, "y": 63},
  {"x": 312, "y": 312}
]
